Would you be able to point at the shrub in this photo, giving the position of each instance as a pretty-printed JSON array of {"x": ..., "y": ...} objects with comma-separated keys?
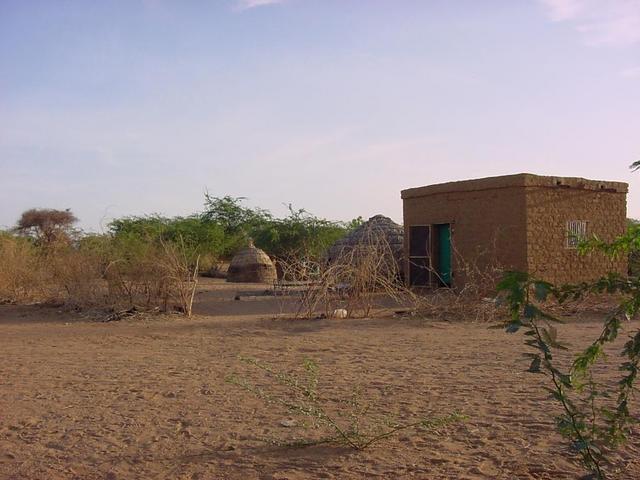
[
  {"x": 299, "y": 232},
  {"x": 197, "y": 237},
  {"x": 472, "y": 301},
  {"x": 20, "y": 274},
  {"x": 150, "y": 274},
  {"x": 350, "y": 421},
  {"x": 360, "y": 278},
  {"x": 99, "y": 272},
  {"x": 144, "y": 261},
  {"x": 596, "y": 417}
]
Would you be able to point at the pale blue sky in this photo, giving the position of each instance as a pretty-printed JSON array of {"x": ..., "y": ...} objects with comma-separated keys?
[{"x": 113, "y": 108}]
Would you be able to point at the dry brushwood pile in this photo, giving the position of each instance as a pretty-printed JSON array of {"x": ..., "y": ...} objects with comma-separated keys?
[{"x": 359, "y": 279}]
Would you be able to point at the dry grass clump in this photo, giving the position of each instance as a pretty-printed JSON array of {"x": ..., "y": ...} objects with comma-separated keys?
[
  {"x": 99, "y": 272},
  {"x": 159, "y": 276},
  {"x": 74, "y": 276},
  {"x": 19, "y": 270},
  {"x": 55, "y": 272}
]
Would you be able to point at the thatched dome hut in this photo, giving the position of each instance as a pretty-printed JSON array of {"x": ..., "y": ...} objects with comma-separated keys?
[
  {"x": 251, "y": 265},
  {"x": 378, "y": 228}
]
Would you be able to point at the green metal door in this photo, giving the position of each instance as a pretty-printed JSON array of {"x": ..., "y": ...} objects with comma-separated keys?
[{"x": 444, "y": 253}]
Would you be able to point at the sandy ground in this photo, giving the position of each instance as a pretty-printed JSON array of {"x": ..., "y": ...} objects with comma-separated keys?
[{"x": 147, "y": 398}]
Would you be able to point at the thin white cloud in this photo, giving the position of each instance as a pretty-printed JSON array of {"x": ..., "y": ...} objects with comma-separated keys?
[
  {"x": 249, "y": 4},
  {"x": 600, "y": 22},
  {"x": 560, "y": 10},
  {"x": 631, "y": 72}
]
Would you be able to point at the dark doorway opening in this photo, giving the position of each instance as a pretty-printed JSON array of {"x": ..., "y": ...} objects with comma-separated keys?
[
  {"x": 430, "y": 252},
  {"x": 420, "y": 255}
]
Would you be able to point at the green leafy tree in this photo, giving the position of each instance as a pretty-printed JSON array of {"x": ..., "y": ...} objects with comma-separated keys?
[
  {"x": 226, "y": 225},
  {"x": 299, "y": 233},
  {"x": 232, "y": 216},
  {"x": 197, "y": 237},
  {"x": 239, "y": 223}
]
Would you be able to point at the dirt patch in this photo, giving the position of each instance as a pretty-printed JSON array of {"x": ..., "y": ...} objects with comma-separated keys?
[{"x": 147, "y": 398}]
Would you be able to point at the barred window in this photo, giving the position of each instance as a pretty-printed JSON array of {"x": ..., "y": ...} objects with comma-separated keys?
[{"x": 576, "y": 232}]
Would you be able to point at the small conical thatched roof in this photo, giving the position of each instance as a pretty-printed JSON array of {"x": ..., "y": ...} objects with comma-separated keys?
[
  {"x": 377, "y": 227},
  {"x": 251, "y": 265}
]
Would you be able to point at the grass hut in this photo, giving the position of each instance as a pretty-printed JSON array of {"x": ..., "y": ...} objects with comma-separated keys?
[
  {"x": 379, "y": 230},
  {"x": 251, "y": 265}
]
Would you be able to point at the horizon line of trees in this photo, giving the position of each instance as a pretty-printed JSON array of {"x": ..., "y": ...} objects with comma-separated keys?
[{"x": 217, "y": 233}]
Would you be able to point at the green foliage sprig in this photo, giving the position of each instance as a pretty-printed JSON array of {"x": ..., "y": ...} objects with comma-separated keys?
[
  {"x": 351, "y": 426},
  {"x": 624, "y": 244},
  {"x": 594, "y": 429}
]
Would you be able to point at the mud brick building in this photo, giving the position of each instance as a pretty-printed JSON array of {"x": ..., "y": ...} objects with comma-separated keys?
[{"x": 519, "y": 222}]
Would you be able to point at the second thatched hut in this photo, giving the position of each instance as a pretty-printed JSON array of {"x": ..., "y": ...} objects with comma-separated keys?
[
  {"x": 387, "y": 236},
  {"x": 251, "y": 265}
]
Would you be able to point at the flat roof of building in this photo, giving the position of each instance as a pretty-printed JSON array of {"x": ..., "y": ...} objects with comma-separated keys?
[{"x": 517, "y": 180}]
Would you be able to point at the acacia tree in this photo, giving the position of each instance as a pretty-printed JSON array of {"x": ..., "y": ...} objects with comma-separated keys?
[{"x": 46, "y": 225}]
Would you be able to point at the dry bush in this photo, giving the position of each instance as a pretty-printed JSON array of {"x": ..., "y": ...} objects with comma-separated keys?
[
  {"x": 158, "y": 277},
  {"x": 475, "y": 299},
  {"x": 54, "y": 272},
  {"x": 136, "y": 282},
  {"x": 101, "y": 274},
  {"x": 75, "y": 276},
  {"x": 181, "y": 277},
  {"x": 369, "y": 275},
  {"x": 359, "y": 279},
  {"x": 20, "y": 273},
  {"x": 57, "y": 273},
  {"x": 209, "y": 264}
]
